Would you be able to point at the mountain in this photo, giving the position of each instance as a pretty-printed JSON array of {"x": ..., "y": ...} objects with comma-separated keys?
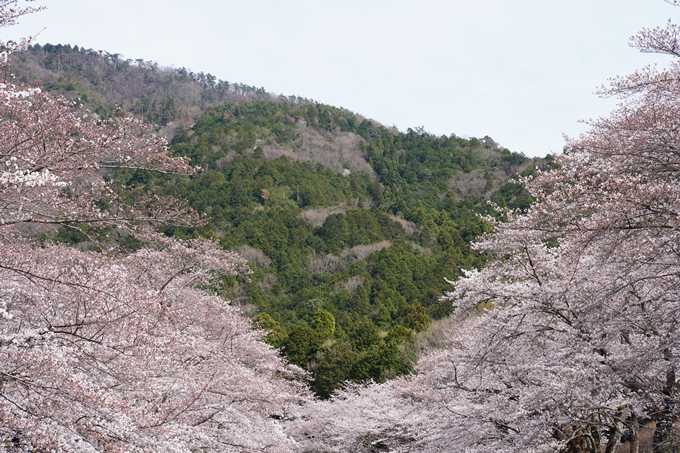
[{"x": 352, "y": 228}]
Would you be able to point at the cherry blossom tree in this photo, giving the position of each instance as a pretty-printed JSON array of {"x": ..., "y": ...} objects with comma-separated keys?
[
  {"x": 569, "y": 339},
  {"x": 115, "y": 351},
  {"x": 127, "y": 354}
]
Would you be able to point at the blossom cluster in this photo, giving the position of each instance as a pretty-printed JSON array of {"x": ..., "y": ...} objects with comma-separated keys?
[{"x": 112, "y": 351}]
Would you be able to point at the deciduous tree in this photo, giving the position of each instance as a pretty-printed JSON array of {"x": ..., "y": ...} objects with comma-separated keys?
[{"x": 108, "y": 351}]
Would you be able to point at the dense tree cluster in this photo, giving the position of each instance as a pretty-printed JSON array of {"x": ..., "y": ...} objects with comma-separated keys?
[
  {"x": 369, "y": 268},
  {"x": 109, "y": 350},
  {"x": 102, "y": 82},
  {"x": 114, "y": 337},
  {"x": 332, "y": 233}
]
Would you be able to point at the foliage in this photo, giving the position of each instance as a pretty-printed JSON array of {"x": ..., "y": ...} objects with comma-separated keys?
[
  {"x": 358, "y": 263},
  {"x": 111, "y": 350},
  {"x": 339, "y": 213},
  {"x": 103, "y": 82}
]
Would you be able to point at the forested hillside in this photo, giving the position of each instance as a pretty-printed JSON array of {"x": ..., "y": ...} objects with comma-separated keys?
[
  {"x": 102, "y": 82},
  {"x": 340, "y": 238},
  {"x": 352, "y": 228},
  {"x": 567, "y": 340}
]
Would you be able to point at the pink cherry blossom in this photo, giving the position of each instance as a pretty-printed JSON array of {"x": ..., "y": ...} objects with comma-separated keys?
[{"x": 112, "y": 352}]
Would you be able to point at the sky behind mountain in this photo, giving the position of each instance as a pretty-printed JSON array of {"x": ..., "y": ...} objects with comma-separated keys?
[{"x": 522, "y": 72}]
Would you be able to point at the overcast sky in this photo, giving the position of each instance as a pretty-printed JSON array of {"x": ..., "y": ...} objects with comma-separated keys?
[{"x": 520, "y": 71}]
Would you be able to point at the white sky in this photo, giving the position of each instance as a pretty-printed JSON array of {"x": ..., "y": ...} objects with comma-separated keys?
[{"x": 520, "y": 71}]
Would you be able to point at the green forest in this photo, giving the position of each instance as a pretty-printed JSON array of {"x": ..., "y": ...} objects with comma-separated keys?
[{"x": 352, "y": 228}]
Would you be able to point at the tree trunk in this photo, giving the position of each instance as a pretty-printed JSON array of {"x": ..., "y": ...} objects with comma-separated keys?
[
  {"x": 635, "y": 430},
  {"x": 663, "y": 433},
  {"x": 615, "y": 433},
  {"x": 634, "y": 444}
]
